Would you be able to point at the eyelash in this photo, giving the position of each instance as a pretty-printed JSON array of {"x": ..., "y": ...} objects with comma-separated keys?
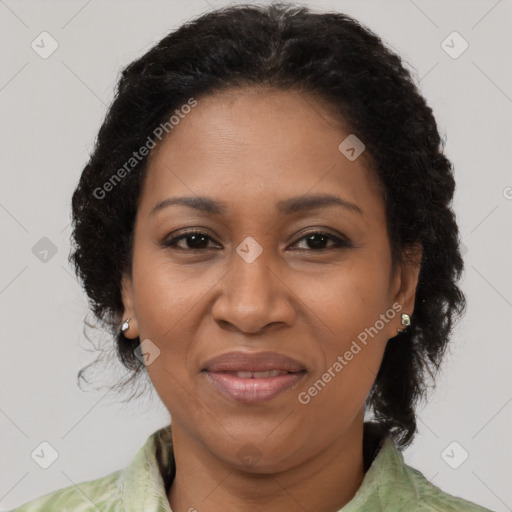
[{"x": 339, "y": 242}]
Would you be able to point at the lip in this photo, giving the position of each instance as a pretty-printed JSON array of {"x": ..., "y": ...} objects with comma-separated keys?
[
  {"x": 252, "y": 362},
  {"x": 221, "y": 373}
]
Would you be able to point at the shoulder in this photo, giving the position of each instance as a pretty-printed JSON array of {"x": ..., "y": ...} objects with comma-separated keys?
[
  {"x": 139, "y": 485},
  {"x": 93, "y": 495},
  {"x": 393, "y": 485},
  {"x": 430, "y": 498}
]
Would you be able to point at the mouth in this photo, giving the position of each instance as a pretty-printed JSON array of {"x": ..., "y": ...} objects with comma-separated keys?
[
  {"x": 254, "y": 387},
  {"x": 252, "y": 378}
]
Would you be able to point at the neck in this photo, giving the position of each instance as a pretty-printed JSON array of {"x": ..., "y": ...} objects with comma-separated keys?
[{"x": 324, "y": 483}]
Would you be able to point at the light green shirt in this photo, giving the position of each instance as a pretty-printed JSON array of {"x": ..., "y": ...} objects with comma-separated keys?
[{"x": 389, "y": 485}]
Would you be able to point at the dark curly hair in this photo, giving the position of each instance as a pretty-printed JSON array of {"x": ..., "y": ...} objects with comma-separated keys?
[{"x": 339, "y": 61}]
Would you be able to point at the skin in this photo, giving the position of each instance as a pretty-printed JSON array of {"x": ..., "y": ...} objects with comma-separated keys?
[{"x": 251, "y": 148}]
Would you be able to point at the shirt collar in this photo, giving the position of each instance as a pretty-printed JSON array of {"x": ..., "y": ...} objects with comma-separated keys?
[
  {"x": 141, "y": 484},
  {"x": 144, "y": 483}
]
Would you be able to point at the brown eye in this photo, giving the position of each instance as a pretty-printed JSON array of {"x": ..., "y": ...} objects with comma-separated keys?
[
  {"x": 317, "y": 241},
  {"x": 194, "y": 241}
]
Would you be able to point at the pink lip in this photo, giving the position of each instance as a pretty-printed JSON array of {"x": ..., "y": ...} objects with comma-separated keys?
[
  {"x": 221, "y": 373},
  {"x": 253, "y": 390}
]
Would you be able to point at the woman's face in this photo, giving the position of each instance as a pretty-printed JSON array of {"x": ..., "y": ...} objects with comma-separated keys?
[{"x": 256, "y": 281}]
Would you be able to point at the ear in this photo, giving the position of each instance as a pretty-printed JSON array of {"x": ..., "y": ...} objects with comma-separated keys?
[
  {"x": 129, "y": 310},
  {"x": 405, "y": 282}
]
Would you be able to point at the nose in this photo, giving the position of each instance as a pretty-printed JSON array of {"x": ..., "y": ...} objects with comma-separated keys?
[{"x": 254, "y": 296}]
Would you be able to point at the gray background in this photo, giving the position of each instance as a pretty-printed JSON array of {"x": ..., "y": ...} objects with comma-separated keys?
[{"x": 51, "y": 110}]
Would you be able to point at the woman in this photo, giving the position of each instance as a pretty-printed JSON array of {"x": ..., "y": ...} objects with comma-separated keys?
[{"x": 265, "y": 226}]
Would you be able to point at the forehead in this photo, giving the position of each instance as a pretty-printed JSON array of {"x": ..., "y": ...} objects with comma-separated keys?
[{"x": 257, "y": 144}]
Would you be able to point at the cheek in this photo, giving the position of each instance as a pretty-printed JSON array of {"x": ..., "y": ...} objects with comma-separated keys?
[
  {"x": 338, "y": 391},
  {"x": 167, "y": 299},
  {"x": 171, "y": 382},
  {"x": 164, "y": 293},
  {"x": 347, "y": 298},
  {"x": 353, "y": 303}
]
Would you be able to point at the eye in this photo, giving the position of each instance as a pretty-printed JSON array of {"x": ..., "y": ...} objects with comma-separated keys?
[
  {"x": 318, "y": 239},
  {"x": 197, "y": 241}
]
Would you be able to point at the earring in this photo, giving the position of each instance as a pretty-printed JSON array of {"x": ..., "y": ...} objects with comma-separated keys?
[
  {"x": 406, "y": 320},
  {"x": 125, "y": 325}
]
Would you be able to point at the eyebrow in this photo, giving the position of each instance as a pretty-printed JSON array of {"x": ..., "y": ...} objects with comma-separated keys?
[{"x": 285, "y": 207}]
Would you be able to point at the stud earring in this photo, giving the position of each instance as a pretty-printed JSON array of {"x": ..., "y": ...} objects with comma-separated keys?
[
  {"x": 406, "y": 320},
  {"x": 125, "y": 325}
]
